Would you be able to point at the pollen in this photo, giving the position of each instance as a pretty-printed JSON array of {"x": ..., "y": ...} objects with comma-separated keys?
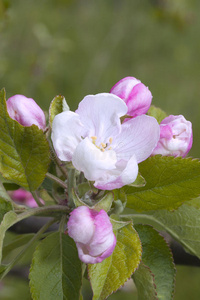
[{"x": 110, "y": 140}]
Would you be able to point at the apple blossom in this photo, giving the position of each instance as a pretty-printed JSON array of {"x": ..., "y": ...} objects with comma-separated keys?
[
  {"x": 175, "y": 137},
  {"x": 25, "y": 111},
  {"x": 96, "y": 142},
  {"x": 135, "y": 94},
  {"x": 23, "y": 197},
  {"x": 93, "y": 234}
]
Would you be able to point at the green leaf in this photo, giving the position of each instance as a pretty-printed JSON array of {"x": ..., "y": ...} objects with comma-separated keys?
[
  {"x": 145, "y": 283},
  {"x": 8, "y": 220},
  {"x": 24, "y": 151},
  {"x": 16, "y": 242},
  {"x": 58, "y": 105},
  {"x": 5, "y": 202},
  {"x": 157, "y": 113},
  {"x": 170, "y": 182},
  {"x": 56, "y": 269},
  {"x": 182, "y": 224},
  {"x": 157, "y": 256},
  {"x": 109, "y": 275}
]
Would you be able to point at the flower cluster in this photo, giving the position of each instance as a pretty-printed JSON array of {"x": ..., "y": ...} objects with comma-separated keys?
[{"x": 105, "y": 139}]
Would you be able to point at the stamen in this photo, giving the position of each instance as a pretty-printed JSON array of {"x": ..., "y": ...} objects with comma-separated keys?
[
  {"x": 110, "y": 148},
  {"x": 110, "y": 140},
  {"x": 103, "y": 145},
  {"x": 94, "y": 137}
]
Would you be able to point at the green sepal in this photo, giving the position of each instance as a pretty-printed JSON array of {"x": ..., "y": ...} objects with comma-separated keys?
[
  {"x": 58, "y": 105},
  {"x": 157, "y": 113},
  {"x": 139, "y": 182},
  {"x": 105, "y": 203}
]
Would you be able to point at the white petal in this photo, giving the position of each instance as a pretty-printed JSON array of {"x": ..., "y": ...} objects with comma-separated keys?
[
  {"x": 124, "y": 175},
  {"x": 66, "y": 134},
  {"x": 92, "y": 161},
  {"x": 101, "y": 114},
  {"x": 138, "y": 136}
]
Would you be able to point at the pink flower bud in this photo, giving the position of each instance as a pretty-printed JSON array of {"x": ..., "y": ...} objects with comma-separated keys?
[
  {"x": 175, "y": 137},
  {"x": 26, "y": 111},
  {"x": 23, "y": 197},
  {"x": 93, "y": 234},
  {"x": 135, "y": 94}
]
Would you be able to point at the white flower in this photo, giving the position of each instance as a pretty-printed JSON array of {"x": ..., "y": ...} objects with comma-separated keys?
[{"x": 96, "y": 142}]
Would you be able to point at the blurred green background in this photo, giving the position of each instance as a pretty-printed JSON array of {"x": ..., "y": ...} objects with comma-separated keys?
[{"x": 76, "y": 48}]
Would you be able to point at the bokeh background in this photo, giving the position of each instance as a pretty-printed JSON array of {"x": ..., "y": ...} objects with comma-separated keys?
[{"x": 75, "y": 48}]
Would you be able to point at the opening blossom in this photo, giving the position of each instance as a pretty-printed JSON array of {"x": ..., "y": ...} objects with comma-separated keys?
[
  {"x": 96, "y": 142},
  {"x": 26, "y": 111},
  {"x": 175, "y": 137},
  {"x": 93, "y": 234},
  {"x": 135, "y": 94}
]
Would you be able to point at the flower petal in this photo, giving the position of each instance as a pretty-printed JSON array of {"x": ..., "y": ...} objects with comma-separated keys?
[
  {"x": 92, "y": 161},
  {"x": 124, "y": 175},
  {"x": 138, "y": 136},
  {"x": 66, "y": 134},
  {"x": 81, "y": 225},
  {"x": 101, "y": 114}
]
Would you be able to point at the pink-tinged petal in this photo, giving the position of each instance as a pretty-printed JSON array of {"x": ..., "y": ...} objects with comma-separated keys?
[
  {"x": 26, "y": 111},
  {"x": 124, "y": 87},
  {"x": 176, "y": 137},
  {"x": 81, "y": 225},
  {"x": 93, "y": 234},
  {"x": 124, "y": 175},
  {"x": 101, "y": 114},
  {"x": 66, "y": 134},
  {"x": 139, "y": 100},
  {"x": 103, "y": 238},
  {"x": 135, "y": 94},
  {"x": 138, "y": 137},
  {"x": 92, "y": 161}
]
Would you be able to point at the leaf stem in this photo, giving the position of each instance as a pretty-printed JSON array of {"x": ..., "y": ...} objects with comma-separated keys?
[
  {"x": 29, "y": 244},
  {"x": 57, "y": 160},
  {"x": 62, "y": 224},
  {"x": 71, "y": 182},
  {"x": 57, "y": 180},
  {"x": 37, "y": 199},
  {"x": 44, "y": 211}
]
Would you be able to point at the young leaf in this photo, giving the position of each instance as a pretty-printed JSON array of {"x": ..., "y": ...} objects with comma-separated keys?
[
  {"x": 24, "y": 151},
  {"x": 145, "y": 283},
  {"x": 58, "y": 105},
  {"x": 109, "y": 275},
  {"x": 157, "y": 113},
  {"x": 56, "y": 269},
  {"x": 157, "y": 256},
  {"x": 170, "y": 182}
]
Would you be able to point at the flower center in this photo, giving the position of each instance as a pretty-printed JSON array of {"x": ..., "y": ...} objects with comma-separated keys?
[{"x": 102, "y": 146}]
